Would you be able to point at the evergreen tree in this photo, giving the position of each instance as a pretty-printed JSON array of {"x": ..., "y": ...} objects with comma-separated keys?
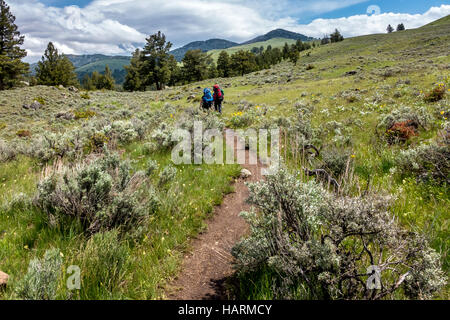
[
  {"x": 156, "y": 69},
  {"x": 195, "y": 65},
  {"x": 300, "y": 45},
  {"x": 390, "y": 29},
  {"x": 107, "y": 81},
  {"x": 325, "y": 40},
  {"x": 175, "y": 71},
  {"x": 224, "y": 65},
  {"x": 134, "y": 81},
  {"x": 401, "y": 27},
  {"x": 294, "y": 54},
  {"x": 12, "y": 68},
  {"x": 87, "y": 83},
  {"x": 286, "y": 50},
  {"x": 243, "y": 62},
  {"x": 336, "y": 36},
  {"x": 55, "y": 69}
]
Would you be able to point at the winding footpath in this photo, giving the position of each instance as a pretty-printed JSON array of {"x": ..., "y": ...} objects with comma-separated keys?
[{"x": 209, "y": 263}]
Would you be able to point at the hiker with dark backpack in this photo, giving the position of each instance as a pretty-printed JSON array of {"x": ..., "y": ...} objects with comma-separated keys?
[
  {"x": 207, "y": 99},
  {"x": 218, "y": 98}
]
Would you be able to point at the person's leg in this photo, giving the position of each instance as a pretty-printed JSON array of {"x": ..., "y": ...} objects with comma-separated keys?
[{"x": 220, "y": 106}]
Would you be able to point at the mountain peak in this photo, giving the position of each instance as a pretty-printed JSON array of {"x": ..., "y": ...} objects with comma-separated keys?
[{"x": 280, "y": 33}]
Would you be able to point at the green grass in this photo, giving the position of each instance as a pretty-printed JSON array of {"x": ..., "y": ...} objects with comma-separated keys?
[{"x": 421, "y": 57}]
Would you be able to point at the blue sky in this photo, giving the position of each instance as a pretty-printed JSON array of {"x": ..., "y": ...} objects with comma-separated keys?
[{"x": 120, "y": 26}]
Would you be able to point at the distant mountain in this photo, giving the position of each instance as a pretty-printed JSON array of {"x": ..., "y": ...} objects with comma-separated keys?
[
  {"x": 280, "y": 33},
  {"x": 205, "y": 46}
]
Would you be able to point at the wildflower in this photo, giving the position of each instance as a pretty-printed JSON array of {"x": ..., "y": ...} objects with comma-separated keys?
[
  {"x": 442, "y": 112},
  {"x": 353, "y": 156}
]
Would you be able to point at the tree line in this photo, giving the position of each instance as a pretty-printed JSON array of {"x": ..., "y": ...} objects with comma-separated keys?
[{"x": 154, "y": 67}]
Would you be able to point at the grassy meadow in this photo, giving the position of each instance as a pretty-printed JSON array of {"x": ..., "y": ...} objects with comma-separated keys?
[{"x": 346, "y": 89}]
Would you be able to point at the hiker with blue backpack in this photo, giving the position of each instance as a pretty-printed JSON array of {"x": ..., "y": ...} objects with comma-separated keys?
[{"x": 207, "y": 99}]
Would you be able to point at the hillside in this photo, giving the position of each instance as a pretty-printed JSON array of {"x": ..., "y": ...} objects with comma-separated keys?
[
  {"x": 275, "y": 43},
  {"x": 116, "y": 64},
  {"x": 375, "y": 107},
  {"x": 205, "y": 46},
  {"x": 279, "y": 33}
]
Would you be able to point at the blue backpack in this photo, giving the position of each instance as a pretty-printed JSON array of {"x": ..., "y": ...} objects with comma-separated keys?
[{"x": 207, "y": 96}]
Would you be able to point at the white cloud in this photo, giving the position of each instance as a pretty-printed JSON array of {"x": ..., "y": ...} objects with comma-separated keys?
[
  {"x": 364, "y": 24},
  {"x": 118, "y": 26}
]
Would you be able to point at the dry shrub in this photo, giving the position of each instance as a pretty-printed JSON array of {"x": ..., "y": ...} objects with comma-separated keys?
[
  {"x": 401, "y": 132},
  {"x": 317, "y": 245},
  {"x": 436, "y": 94},
  {"x": 24, "y": 133}
]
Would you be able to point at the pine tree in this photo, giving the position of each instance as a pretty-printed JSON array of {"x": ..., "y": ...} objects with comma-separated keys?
[
  {"x": 286, "y": 50},
  {"x": 12, "y": 68},
  {"x": 87, "y": 83},
  {"x": 55, "y": 69},
  {"x": 107, "y": 80},
  {"x": 155, "y": 56},
  {"x": 134, "y": 80},
  {"x": 224, "y": 64},
  {"x": 243, "y": 62},
  {"x": 401, "y": 27},
  {"x": 336, "y": 36},
  {"x": 390, "y": 29},
  {"x": 294, "y": 54},
  {"x": 195, "y": 65},
  {"x": 325, "y": 40}
]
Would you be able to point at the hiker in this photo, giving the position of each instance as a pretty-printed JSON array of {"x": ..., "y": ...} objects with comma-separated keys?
[
  {"x": 218, "y": 98},
  {"x": 207, "y": 99}
]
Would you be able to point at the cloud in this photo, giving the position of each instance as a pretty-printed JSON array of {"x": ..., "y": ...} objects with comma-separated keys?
[
  {"x": 119, "y": 26},
  {"x": 363, "y": 24}
]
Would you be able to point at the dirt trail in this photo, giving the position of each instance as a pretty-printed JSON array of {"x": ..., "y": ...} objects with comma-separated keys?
[{"x": 209, "y": 263}]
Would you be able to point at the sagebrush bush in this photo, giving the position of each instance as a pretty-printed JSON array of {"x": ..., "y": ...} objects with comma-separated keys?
[
  {"x": 427, "y": 162},
  {"x": 41, "y": 280},
  {"x": 167, "y": 175},
  {"x": 336, "y": 161},
  {"x": 152, "y": 166},
  {"x": 320, "y": 246},
  {"x": 102, "y": 195},
  {"x": 7, "y": 152}
]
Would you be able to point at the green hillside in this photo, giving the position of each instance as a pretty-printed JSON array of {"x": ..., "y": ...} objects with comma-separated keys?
[
  {"x": 275, "y": 43},
  {"x": 116, "y": 64}
]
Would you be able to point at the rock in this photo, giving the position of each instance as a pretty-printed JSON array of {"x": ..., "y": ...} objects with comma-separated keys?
[
  {"x": 35, "y": 105},
  {"x": 26, "y": 106},
  {"x": 245, "y": 174},
  {"x": 65, "y": 115},
  {"x": 73, "y": 89},
  {"x": 351, "y": 73},
  {"x": 191, "y": 97},
  {"x": 24, "y": 83},
  {"x": 3, "y": 279},
  {"x": 61, "y": 87}
]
